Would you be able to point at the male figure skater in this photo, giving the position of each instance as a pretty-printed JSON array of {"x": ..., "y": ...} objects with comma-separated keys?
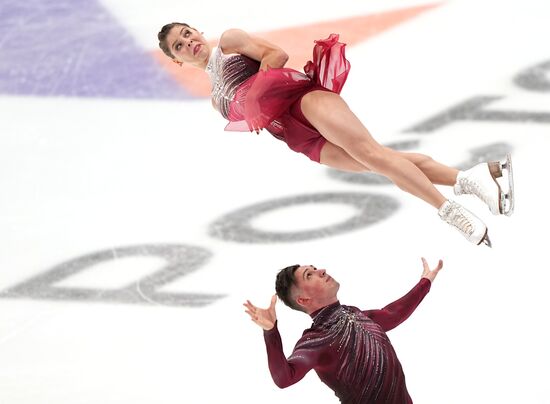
[{"x": 348, "y": 348}]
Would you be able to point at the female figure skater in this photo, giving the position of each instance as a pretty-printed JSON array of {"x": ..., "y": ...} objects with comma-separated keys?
[{"x": 253, "y": 90}]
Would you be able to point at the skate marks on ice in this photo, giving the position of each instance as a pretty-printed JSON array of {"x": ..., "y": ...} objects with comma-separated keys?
[
  {"x": 180, "y": 260},
  {"x": 75, "y": 48}
]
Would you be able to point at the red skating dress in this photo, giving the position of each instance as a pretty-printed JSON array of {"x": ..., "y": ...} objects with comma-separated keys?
[
  {"x": 252, "y": 99},
  {"x": 349, "y": 350}
]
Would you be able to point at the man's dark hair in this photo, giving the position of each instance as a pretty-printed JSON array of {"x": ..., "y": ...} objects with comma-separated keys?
[
  {"x": 163, "y": 33},
  {"x": 283, "y": 285}
]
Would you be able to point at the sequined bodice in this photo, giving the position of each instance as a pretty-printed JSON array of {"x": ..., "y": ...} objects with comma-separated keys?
[
  {"x": 362, "y": 351},
  {"x": 226, "y": 73},
  {"x": 349, "y": 350}
]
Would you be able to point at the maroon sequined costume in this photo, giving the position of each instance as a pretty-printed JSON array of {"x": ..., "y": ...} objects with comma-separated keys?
[
  {"x": 252, "y": 99},
  {"x": 349, "y": 350}
]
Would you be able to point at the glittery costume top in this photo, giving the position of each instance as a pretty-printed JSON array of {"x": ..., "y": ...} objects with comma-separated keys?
[
  {"x": 349, "y": 350},
  {"x": 251, "y": 99},
  {"x": 226, "y": 73}
]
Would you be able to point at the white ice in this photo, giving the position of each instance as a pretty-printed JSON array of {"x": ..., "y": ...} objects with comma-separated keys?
[{"x": 79, "y": 176}]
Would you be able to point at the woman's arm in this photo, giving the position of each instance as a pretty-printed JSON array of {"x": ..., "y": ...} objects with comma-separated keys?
[{"x": 268, "y": 54}]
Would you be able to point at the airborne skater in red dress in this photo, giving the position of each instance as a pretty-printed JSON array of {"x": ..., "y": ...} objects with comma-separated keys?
[{"x": 253, "y": 90}]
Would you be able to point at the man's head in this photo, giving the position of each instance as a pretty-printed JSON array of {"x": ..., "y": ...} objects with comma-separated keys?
[
  {"x": 306, "y": 288},
  {"x": 184, "y": 44}
]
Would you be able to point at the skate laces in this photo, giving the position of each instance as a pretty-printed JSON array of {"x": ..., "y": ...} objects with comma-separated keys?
[
  {"x": 469, "y": 186},
  {"x": 457, "y": 216},
  {"x": 462, "y": 221}
]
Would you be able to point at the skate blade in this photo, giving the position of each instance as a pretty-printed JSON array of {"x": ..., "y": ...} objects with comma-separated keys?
[
  {"x": 507, "y": 198},
  {"x": 486, "y": 240}
]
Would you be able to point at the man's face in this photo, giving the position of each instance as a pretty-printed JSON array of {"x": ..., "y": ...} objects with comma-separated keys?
[{"x": 315, "y": 284}]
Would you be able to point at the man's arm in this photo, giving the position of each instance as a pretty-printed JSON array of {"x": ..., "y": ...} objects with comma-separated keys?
[
  {"x": 268, "y": 54},
  {"x": 285, "y": 372},
  {"x": 395, "y": 313}
]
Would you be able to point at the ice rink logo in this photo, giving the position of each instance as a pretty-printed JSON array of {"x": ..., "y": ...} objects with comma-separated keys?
[{"x": 535, "y": 79}]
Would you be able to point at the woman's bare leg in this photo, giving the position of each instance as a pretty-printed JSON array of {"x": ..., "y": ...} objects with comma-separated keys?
[
  {"x": 350, "y": 147},
  {"x": 440, "y": 174},
  {"x": 336, "y": 157},
  {"x": 436, "y": 172},
  {"x": 332, "y": 117}
]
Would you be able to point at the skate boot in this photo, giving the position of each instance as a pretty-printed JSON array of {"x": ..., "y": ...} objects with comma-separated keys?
[
  {"x": 468, "y": 224},
  {"x": 481, "y": 181}
]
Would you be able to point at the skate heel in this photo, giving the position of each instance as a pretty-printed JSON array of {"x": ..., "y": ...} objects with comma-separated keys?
[
  {"x": 495, "y": 168},
  {"x": 492, "y": 182}
]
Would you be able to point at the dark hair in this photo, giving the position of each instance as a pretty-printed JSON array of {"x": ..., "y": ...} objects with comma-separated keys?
[
  {"x": 163, "y": 33},
  {"x": 283, "y": 285}
]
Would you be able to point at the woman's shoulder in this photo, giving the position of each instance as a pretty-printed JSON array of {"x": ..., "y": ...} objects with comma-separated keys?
[
  {"x": 231, "y": 39},
  {"x": 232, "y": 33}
]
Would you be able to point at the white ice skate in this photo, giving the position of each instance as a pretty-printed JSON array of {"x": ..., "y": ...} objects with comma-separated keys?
[
  {"x": 481, "y": 181},
  {"x": 468, "y": 224}
]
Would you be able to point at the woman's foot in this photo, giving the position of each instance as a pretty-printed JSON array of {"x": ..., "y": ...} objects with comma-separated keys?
[
  {"x": 468, "y": 224},
  {"x": 481, "y": 181}
]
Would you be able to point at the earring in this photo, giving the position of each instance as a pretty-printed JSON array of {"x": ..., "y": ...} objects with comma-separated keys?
[{"x": 177, "y": 62}]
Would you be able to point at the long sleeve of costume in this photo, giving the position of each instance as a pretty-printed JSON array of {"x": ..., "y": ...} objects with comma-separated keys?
[
  {"x": 395, "y": 313},
  {"x": 285, "y": 372}
]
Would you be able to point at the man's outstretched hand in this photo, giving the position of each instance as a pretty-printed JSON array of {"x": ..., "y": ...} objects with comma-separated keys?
[
  {"x": 265, "y": 318},
  {"x": 431, "y": 273}
]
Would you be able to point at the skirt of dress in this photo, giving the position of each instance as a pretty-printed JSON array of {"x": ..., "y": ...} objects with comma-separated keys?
[{"x": 271, "y": 99}]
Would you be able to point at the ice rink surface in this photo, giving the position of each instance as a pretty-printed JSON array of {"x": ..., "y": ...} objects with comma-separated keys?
[{"x": 133, "y": 227}]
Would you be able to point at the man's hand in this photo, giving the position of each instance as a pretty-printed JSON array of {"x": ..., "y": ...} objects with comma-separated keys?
[
  {"x": 265, "y": 318},
  {"x": 428, "y": 273}
]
